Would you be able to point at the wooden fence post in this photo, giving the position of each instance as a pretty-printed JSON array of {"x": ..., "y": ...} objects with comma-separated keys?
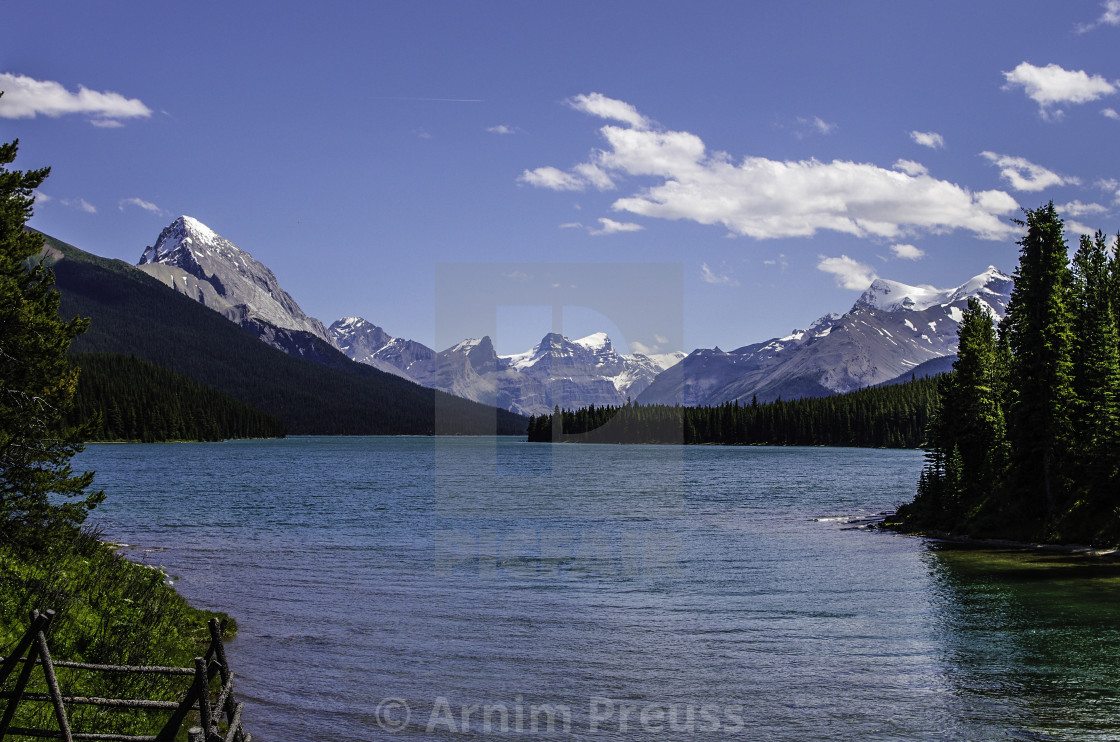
[
  {"x": 202, "y": 688},
  {"x": 34, "y": 643},
  {"x": 17, "y": 653},
  {"x": 32, "y": 649},
  {"x": 25, "y": 645},
  {"x": 52, "y": 680}
]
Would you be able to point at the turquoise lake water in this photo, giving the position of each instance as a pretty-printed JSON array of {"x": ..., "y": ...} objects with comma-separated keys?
[{"x": 418, "y": 588}]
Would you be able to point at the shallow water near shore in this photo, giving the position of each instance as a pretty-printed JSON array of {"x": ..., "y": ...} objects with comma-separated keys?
[{"x": 408, "y": 588}]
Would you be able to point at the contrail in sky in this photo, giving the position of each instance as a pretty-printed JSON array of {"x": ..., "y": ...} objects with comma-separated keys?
[{"x": 437, "y": 100}]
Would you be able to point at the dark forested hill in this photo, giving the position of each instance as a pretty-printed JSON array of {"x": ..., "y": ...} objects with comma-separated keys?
[
  {"x": 134, "y": 314},
  {"x": 136, "y": 400}
]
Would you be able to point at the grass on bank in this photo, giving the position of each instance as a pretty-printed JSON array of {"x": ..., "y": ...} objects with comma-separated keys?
[{"x": 109, "y": 610}]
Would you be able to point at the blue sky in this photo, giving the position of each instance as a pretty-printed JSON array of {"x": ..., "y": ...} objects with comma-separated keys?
[{"x": 782, "y": 153}]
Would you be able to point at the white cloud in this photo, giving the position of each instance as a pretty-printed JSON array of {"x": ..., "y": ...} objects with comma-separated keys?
[
  {"x": 501, "y": 129},
  {"x": 849, "y": 274},
  {"x": 571, "y": 225},
  {"x": 1076, "y": 227},
  {"x": 554, "y": 179},
  {"x": 610, "y": 226},
  {"x": 817, "y": 125},
  {"x": 907, "y": 252},
  {"x": 26, "y": 97},
  {"x": 1111, "y": 185},
  {"x": 707, "y": 275},
  {"x": 930, "y": 139},
  {"x": 80, "y": 204},
  {"x": 1110, "y": 17},
  {"x": 600, "y": 105},
  {"x": 40, "y": 197},
  {"x": 1051, "y": 85},
  {"x": 660, "y": 338},
  {"x": 141, "y": 203},
  {"x": 594, "y": 175},
  {"x": 1023, "y": 175},
  {"x": 911, "y": 168},
  {"x": 780, "y": 261},
  {"x": 1110, "y": 113},
  {"x": 582, "y": 176},
  {"x": 1076, "y": 209},
  {"x": 764, "y": 198}
]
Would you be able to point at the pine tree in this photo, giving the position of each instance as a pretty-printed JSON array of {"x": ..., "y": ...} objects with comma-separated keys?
[
  {"x": 39, "y": 492},
  {"x": 980, "y": 428},
  {"x": 1096, "y": 365},
  {"x": 1037, "y": 326}
]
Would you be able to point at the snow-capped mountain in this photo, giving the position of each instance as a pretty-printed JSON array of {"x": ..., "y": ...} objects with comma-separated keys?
[
  {"x": 556, "y": 371},
  {"x": 365, "y": 342},
  {"x": 194, "y": 260},
  {"x": 890, "y": 330}
]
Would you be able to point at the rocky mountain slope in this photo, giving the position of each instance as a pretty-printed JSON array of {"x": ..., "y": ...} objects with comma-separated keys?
[
  {"x": 194, "y": 260},
  {"x": 365, "y": 342},
  {"x": 134, "y": 315},
  {"x": 891, "y": 330},
  {"x": 556, "y": 371}
]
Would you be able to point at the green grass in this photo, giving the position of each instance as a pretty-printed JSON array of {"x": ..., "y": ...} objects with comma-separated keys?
[{"x": 109, "y": 610}]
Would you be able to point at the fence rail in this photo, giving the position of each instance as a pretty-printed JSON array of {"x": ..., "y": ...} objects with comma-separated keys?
[{"x": 219, "y": 719}]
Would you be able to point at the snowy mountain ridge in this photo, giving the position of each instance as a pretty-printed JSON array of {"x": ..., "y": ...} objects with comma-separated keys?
[
  {"x": 892, "y": 296},
  {"x": 891, "y": 329},
  {"x": 555, "y": 371}
]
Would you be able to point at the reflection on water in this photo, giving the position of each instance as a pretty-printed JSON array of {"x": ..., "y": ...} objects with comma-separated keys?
[{"x": 1030, "y": 641}]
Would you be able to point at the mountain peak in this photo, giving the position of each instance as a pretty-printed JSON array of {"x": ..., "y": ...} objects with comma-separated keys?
[
  {"x": 195, "y": 227},
  {"x": 185, "y": 234},
  {"x": 195, "y": 260},
  {"x": 595, "y": 341},
  {"x": 349, "y": 331},
  {"x": 352, "y": 322},
  {"x": 891, "y": 296},
  {"x": 467, "y": 345}
]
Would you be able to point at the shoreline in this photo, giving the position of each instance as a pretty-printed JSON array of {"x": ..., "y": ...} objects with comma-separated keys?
[{"x": 1111, "y": 553}]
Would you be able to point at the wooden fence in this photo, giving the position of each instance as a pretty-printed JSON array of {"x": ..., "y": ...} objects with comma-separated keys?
[{"x": 219, "y": 718}]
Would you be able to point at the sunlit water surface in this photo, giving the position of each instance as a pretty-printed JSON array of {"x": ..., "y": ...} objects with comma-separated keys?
[{"x": 407, "y": 588}]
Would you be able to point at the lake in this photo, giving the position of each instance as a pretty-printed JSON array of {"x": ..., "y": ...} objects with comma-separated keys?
[{"x": 408, "y": 588}]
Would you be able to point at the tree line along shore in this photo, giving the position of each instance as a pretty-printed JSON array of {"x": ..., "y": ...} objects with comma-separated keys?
[{"x": 894, "y": 416}]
